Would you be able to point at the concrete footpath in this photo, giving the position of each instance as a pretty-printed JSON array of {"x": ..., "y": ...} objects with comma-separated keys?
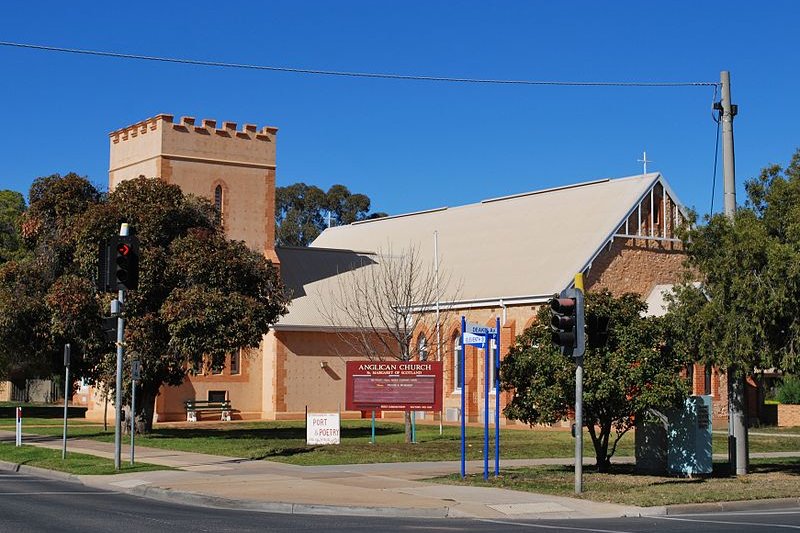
[{"x": 383, "y": 489}]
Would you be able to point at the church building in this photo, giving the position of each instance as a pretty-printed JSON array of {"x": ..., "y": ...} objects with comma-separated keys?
[{"x": 507, "y": 255}]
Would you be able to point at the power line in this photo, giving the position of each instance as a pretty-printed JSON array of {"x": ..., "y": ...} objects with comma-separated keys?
[
  {"x": 716, "y": 151},
  {"x": 374, "y": 75}
]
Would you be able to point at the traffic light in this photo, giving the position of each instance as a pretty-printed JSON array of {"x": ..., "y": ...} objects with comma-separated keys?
[
  {"x": 567, "y": 322},
  {"x": 563, "y": 323},
  {"x": 125, "y": 250},
  {"x": 118, "y": 264},
  {"x": 123, "y": 263}
]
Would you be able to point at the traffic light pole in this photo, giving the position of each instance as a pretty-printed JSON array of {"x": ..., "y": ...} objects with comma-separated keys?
[
  {"x": 579, "y": 350},
  {"x": 118, "y": 400},
  {"x": 123, "y": 231}
]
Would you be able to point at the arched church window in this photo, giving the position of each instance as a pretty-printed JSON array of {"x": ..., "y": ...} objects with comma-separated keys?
[{"x": 218, "y": 202}]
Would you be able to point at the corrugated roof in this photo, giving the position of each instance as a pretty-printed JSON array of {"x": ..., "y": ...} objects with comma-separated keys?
[
  {"x": 518, "y": 248},
  {"x": 522, "y": 245}
]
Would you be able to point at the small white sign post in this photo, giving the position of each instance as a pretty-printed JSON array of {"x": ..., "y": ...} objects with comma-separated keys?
[
  {"x": 19, "y": 426},
  {"x": 136, "y": 374},
  {"x": 322, "y": 428}
]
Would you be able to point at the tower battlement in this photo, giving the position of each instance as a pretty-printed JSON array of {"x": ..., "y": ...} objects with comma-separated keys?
[
  {"x": 190, "y": 125},
  {"x": 232, "y": 166}
]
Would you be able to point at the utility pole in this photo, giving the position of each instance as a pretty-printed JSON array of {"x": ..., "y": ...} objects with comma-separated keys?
[{"x": 737, "y": 424}]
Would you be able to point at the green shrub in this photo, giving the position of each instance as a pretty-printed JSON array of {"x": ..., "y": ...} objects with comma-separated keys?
[{"x": 789, "y": 392}]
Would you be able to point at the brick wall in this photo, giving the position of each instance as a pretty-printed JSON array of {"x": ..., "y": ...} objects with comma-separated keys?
[{"x": 788, "y": 415}]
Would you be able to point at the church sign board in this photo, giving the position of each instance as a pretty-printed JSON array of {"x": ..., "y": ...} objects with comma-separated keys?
[{"x": 394, "y": 385}]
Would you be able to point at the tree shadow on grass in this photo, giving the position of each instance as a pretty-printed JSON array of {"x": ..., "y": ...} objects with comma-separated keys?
[
  {"x": 791, "y": 467},
  {"x": 285, "y": 452},
  {"x": 721, "y": 470}
]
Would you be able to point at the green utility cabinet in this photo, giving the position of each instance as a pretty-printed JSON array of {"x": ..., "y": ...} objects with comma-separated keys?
[{"x": 677, "y": 442}]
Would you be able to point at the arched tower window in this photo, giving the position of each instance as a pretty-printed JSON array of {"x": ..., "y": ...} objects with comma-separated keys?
[{"x": 218, "y": 202}]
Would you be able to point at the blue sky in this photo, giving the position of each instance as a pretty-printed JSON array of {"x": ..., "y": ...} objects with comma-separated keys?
[{"x": 412, "y": 145}]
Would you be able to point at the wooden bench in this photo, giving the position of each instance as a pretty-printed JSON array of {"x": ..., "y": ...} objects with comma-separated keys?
[{"x": 193, "y": 407}]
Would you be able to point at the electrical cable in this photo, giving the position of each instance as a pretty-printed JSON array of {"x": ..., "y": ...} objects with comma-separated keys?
[
  {"x": 374, "y": 75},
  {"x": 716, "y": 153}
]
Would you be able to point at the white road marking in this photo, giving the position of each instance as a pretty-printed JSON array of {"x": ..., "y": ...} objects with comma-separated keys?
[
  {"x": 754, "y": 513},
  {"x": 55, "y": 492},
  {"x": 757, "y": 524}
]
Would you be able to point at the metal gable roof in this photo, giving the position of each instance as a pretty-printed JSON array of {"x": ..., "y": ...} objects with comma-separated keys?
[{"x": 519, "y": 249}]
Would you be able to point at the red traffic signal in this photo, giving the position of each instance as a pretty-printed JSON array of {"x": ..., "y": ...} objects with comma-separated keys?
[
  {"x": 563, "y": 322},
  {"x": 126, "y": 262},
  {"x": 118, "y": 267}
]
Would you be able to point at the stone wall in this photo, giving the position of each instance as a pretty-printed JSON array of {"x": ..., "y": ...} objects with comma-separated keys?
[{"x": 636, "y": 265}]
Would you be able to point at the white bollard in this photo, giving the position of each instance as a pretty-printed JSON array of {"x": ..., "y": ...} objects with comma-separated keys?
[{"x": 19, "y": 426}]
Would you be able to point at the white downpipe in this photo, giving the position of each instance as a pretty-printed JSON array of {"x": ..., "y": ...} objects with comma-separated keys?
[{"x": 438, "y": 297}]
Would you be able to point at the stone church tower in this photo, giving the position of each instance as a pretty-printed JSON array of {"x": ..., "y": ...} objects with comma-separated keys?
[{"x": 227, "y": 165}]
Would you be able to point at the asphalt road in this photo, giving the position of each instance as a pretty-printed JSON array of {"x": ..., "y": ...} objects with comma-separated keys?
[{"x": 33, "y": 504}]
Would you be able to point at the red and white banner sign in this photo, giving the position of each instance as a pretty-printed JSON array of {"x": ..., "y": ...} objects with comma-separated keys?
[{"x": 394, "y": 385}]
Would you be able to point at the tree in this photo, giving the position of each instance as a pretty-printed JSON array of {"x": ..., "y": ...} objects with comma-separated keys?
[
  {"x": 742, "y": 315},
  {"x": 12, "y": 206},
  {"x": 629, "y": 368},
  {"x": 42, "y": 303},
  {"x": 303, "y": 211},
  {"x": 200, "y": 295},
  {"x": 49, "y": 224},
  {"x": 25, "y": 339},
  {"x": 378, "y": 305}
]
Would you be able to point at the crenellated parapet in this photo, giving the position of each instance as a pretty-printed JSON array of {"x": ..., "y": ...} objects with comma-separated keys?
[
  {"x": 190, "y": 125},
  {"x": 232, "y": 166}
]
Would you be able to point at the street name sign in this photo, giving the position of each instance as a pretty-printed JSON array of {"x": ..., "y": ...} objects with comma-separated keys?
[
  {"x": 477, "y": 329},
  {"x": 474, "y": 340}
]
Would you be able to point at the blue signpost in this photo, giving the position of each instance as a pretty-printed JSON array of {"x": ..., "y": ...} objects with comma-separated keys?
[
  {"x": 487, "y": 368},
  {"x": 463, "y": 395},
  {"x": 497, "y": 399},
  {"x": 482, "y": 336}
]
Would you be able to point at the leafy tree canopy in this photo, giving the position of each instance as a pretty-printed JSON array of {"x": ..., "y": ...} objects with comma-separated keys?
[
  {"x": 200, "y": 297},
  {"x": 302, "y": 211},
  {"x": 12, "y": 206},
  {"x": 743, "y": 313},
  {"x": 42, "y": 304},
  {"x": 629, "y": 368}
]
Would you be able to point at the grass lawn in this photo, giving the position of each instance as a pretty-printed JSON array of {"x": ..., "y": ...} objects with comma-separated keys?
[
  {"x": 770, "y": 478},
  {"x": 285, "y": 441},
  {"x": 75, "y": 463}
]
